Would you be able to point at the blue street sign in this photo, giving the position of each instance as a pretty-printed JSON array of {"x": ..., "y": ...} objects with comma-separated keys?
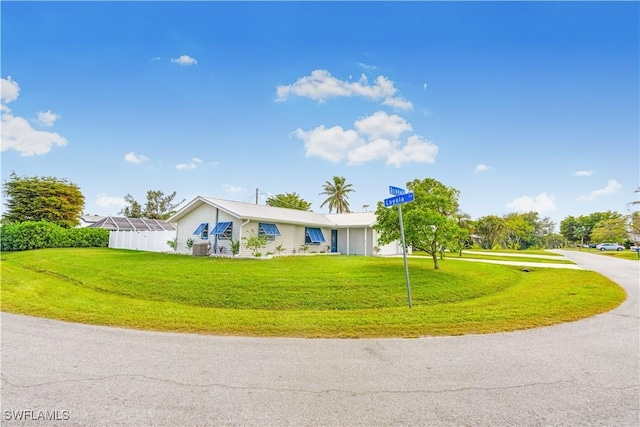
[
  {"x": 396, "y": 191},
  {"x": 403, "y": 198}
]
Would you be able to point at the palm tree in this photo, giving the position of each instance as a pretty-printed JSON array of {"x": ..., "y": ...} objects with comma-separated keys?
[
  {"x": 635, "y": 202},
  {"x": 337, "y": 194}
]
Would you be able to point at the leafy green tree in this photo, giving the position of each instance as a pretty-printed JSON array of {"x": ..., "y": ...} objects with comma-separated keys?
[
  {"x": 463, "y": 239},
  {"x": 430, "y": 223},
  {"x": 158, "y": 206},
  {"x": 574, "y": 230},
  {"x": 634, "y": 226},
  {"x": 553, "y": 241},
  {"x": 590, "y": 221},
  {"x": 290, "y": 201},
  {"x": 490, "y": 228},
  {"x": 58, "y": 201},
  {"x": 133, "y": 210},
  {"x": 337, "y": 193},
  {"x": 569, "y": 228},
  {"x": 518, "y": 228},
  {"x": 535, "y": 232},
  {"x": 611, "y": 230}
]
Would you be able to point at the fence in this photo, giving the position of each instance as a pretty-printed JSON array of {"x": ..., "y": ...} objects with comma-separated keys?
[{"x": 152, "y": 241}]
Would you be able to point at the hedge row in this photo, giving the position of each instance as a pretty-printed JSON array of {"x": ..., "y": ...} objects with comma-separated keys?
[{"x": 43, "y": 234}]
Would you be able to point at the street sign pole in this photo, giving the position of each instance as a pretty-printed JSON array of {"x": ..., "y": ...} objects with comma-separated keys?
[
  {"x": 401, "y": 196},
  {"x": 404, "y": 253}
]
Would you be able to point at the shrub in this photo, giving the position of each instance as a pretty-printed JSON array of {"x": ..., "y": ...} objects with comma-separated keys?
[
  {"x": 43, "y": 234},
  {"x": 255, "y": 242}
]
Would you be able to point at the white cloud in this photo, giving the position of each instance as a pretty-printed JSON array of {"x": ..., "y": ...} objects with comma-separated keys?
[
  {"x": 482, "y": 168},
  {"x": 424, "y": 86},
  {"x": 416, "y": 150},
  {"x": 132, "y": 157},
  {"x": 398, "y": 103},
  {"x": 375, "y": 137},
  {"x": 378, "y": 149},
  {"x": 366, "y": 66},
  {"x": 232, "y": 188},
  {"x": 110, "y": 202},
  {"x": 9, "y": 90},
  {"x": 613, "y": 186},
  {"x": 583, "y": 173},
  {"x": 541, "y": 203},
  {"x": 47, "y": 118},
  {"x": 320, "y": 85},
  {"x": 17, "y": 133},
  {"x": 381, "y": 125},
  {"x": 184, "y": 60},
  {"x": 331, "y": 144},
  {"x": 194, "y": 163}
]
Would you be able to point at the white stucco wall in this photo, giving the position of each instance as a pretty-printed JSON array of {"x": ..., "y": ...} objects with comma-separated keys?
[{"x": 204, "y": 213}]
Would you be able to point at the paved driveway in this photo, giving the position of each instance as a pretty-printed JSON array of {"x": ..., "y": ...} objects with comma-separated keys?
[{"x": 580, "y": 373}]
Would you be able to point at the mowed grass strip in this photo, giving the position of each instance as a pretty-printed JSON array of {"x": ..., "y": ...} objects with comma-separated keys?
[
  {"x": 519, "y": 258},
  {"x": 524, "y": 252},
  {"x": 321, "y": 296}
]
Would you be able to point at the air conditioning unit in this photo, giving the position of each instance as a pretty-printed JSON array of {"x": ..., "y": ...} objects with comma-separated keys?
[{"x": 201, "y": 249}]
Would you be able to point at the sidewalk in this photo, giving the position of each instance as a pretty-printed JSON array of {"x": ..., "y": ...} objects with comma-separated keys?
[{"x": 521, "y": 263}]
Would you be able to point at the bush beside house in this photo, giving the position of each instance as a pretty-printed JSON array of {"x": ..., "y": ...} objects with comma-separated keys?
[{"x": 43, "y": 234}]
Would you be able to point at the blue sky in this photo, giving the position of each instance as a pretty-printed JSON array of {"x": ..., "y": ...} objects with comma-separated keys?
[{"x": 520, "y": 106}]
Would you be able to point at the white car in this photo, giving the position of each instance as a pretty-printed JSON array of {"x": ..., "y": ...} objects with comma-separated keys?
[{"x": 609, "y": 247}]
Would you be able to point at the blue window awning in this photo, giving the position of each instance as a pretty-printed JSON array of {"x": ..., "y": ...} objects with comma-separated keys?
[
  {"x": 315, "y": 235},
  {"x": 200, "y": 228},
  {"x": 221, "y": 227},
  {"x": 269, "y": 229}
]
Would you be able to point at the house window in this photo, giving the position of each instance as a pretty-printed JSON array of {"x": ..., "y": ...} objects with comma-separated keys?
[
  {"x": 313, "y": 236},
  {"x": 269, "y": 230},
  {"x": 202, "y": 231},
  {"x": 223, "y": 230}
]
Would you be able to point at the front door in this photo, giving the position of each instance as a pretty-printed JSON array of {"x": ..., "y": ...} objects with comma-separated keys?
[{"x": 334, "y": 241}]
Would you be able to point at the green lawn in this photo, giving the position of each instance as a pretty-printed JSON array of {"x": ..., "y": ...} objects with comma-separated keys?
[{"x": 313, "y": 296}]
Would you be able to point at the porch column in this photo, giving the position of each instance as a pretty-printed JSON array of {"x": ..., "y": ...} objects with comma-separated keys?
[
  {"x": 365, "y": 241},
  {"x": 348, "y": 241}
]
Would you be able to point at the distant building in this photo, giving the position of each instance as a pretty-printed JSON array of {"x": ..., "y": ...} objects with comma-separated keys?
[{"x": 87, "y": 220}]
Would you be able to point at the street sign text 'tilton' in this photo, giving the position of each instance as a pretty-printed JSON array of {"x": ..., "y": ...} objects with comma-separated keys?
[{"x": 396, "y": 191}]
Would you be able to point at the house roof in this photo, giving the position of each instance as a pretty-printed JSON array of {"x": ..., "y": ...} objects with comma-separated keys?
[
  {"x": 90, "y": 219},
  {"x": 353, "y": 219},
  {"x": 115, "y": 223},
  {"x": 243, "y": 210}
]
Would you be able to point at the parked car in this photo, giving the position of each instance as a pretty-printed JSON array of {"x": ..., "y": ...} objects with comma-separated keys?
[
  {"x": 635, "y": 248},
  {"x": 609, "y": 247},
  {"x": 592, "y": 245}
]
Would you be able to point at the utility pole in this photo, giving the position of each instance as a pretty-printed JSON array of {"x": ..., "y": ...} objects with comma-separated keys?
[{"x": 256, "y": 196}]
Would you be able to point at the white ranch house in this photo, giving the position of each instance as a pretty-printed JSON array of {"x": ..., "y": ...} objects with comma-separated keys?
[{"x": 218, "y": 221}]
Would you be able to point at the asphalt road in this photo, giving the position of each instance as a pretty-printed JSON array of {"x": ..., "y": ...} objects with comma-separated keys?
[{"x": 580, "y": 373}]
